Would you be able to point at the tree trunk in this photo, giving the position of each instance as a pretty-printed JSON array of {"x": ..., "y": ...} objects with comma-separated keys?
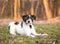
[
  {"x": 58, "y": 7},
  {"x": 36, "y": 7},
  {"x": 32, "y": 7},
  {"x": 12, "y": 9},
  {"x": 15, "y": 9},
  {"x": 3, "y": 8},
  {"x": 47, "y": 9},
  {"x": 18, "y": 10},
  {"x": 23, "y": 6},
  {"x": 59, "y": 11}
]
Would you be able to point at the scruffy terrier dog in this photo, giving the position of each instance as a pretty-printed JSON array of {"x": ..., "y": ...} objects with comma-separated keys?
[{"x": 24, "y": 27}]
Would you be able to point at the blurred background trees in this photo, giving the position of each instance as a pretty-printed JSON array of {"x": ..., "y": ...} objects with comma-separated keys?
[{"x": 42, "y": 9}]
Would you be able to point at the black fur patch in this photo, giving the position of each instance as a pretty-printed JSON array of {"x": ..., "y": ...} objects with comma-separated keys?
[
  {"x": 21, "y": 24},
  {"x": 30, "y": 26},
  {"x": 25, "y": 17},
  {"x": 33, "y": 17},
  {"x": 16, "y": 23}
]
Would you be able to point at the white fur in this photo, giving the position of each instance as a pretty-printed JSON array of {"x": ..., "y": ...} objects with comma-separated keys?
[{"x": 25, "y": 30}]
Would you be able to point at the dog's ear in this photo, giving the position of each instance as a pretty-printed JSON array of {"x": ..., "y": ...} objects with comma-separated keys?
[
  {"x": 34, "y": 17},
  {"x": 24, "y": 17}
]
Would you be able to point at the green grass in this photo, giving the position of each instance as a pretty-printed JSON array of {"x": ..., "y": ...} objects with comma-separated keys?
[{"x": 53, "y": 31}]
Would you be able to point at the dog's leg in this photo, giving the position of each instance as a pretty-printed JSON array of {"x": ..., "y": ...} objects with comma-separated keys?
[
  {"x": 32, "y": 36},
  {"x": 36, "y": 34},
  {"x": 12, "y": 30},
  {"x": 29, "y": 34},
  {"x": 44, "y": 35},
  {"x": 33, "y": 31}
]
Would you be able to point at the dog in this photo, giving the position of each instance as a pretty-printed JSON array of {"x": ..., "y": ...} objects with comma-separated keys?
[{"x": 24, "y": 27}]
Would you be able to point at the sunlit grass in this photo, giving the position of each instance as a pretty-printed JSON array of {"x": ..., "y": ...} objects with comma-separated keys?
[{"x": 53, "y": 31}]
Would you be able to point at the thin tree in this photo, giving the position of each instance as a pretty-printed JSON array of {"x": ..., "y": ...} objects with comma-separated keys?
[
  {"x": 47, "y": 9},
  {"x": 37, "y": 7},
  {"x": 58, "y": 7},
  {"x": 18, "y": 10},
  {"x": 3, "y": 8},
  {"x": 15, "y": 9},
  {"x": 11, "y": 8},
  {"x": 23, "y": 6},
  {"x": 32, "y": 7}
]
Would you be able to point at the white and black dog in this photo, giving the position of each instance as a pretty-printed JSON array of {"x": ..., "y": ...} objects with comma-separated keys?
[{"x": 25, "y": 27}]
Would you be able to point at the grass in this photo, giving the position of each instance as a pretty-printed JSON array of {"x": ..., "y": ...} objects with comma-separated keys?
[{"x": 53, "y": 31}]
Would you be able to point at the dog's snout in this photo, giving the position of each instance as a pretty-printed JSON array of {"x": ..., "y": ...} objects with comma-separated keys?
[{"x": 28, "y": 21}]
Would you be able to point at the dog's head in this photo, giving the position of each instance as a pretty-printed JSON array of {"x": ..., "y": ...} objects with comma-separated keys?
[{"x": 28, "y": 19}]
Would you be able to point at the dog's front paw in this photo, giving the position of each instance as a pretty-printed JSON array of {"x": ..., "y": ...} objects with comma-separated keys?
[
  {"x": 44, "y": 35},
  {"x": 32, "y": 36}
]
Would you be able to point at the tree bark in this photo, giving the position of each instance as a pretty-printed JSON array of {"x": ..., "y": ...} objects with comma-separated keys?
[
  {"x": 32, "y": 7},
  {"x": 36, "y": 7},
  {"x": 58, "y": 7},
  {"x": 15, "y": 9},
  {"x": 47, "y": 9},
  {"x": 59, "y": 11},
  {"x": 23, "y": 6},
  {"x": 3, "y": 8},
  {"x": 18, "y": 10}
]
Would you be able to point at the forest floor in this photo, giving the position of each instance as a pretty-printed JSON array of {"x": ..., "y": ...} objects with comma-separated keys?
[{"x": 50, "y": 21}]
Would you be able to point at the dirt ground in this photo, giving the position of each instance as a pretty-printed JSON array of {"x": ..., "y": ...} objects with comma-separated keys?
[{"x": 51, "y": 21}]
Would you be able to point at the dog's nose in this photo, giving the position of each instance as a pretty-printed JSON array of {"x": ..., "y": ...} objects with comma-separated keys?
[{"x": 28, "y": 21}]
